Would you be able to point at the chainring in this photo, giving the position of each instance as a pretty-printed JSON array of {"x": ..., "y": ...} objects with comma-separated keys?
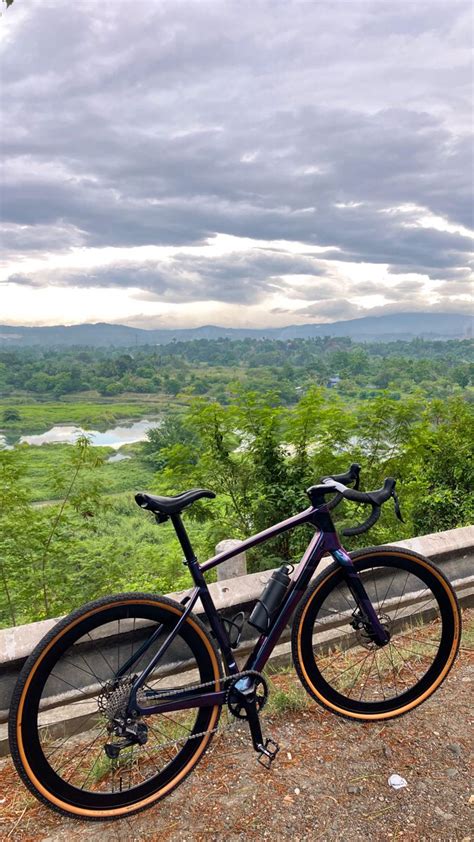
[{"x": 235, "y": 703}]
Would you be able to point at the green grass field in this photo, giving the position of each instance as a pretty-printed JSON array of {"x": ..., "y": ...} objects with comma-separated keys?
[
  {"x": 41, "y": 463},
  {"x": 38, "y": 417}
]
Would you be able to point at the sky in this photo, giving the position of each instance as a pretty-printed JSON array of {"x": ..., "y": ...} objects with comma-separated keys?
[{"x": 172, "y": 163}]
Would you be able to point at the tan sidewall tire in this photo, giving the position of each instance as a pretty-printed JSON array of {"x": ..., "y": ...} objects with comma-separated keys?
[
  {"x": 28, "y": 673},
  {"x": 333, "y": 570}
]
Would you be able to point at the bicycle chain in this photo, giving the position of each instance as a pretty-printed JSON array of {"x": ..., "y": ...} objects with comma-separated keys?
[{"x": 226, "y": 679}]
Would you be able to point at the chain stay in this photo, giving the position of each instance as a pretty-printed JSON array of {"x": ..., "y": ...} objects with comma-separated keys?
[{"x": 226, "y": 680}]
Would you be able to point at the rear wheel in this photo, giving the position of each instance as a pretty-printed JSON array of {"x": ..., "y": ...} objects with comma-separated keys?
[
  {"x": 339, "y": 663},
  {"x": 68, "y": 695}
]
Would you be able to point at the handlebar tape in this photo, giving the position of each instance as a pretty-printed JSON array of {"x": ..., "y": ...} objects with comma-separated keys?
[
  {"x": 364, "y": 527},
  {"x": 352, "y": 475},
  {"x": 373, "y": 498}
]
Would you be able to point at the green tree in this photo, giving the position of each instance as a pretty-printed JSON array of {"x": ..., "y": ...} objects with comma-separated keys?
[
  {"x": 10, "y": 415},
  {"x": 446, "y": 482},
  {"x": 37, "y": 545},
  {"x": 172, "y": 432}
]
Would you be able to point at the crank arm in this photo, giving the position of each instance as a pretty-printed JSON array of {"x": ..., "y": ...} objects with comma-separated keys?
[
  {"x": 254, "y": 725},
  {"x": 267, "y": 750}
]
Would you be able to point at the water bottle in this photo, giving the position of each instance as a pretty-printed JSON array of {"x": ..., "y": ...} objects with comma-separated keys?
[{"x": 270, "y": 599}]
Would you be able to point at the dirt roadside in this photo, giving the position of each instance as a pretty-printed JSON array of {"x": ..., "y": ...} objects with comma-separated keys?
[{"x": 329, "y": 782}]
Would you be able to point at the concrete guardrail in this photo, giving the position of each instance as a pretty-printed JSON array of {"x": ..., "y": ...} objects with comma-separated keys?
[{"x": 235, "y": 591}]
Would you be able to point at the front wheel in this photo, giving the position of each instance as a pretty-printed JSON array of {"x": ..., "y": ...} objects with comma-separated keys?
[
  {"x": 337, "y": 660},
  {"x": 76, "y": 685}
]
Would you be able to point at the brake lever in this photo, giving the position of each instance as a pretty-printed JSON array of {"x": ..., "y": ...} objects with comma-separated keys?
[
  {"x": 397, "y": 506},
  {"x": 355, "y": 471}
]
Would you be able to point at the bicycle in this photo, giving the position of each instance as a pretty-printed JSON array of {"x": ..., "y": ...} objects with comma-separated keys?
[{"x": 143, "y": 681}]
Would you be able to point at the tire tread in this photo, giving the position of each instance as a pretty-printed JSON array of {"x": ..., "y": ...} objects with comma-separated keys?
[{"x": 62, "y": 624}]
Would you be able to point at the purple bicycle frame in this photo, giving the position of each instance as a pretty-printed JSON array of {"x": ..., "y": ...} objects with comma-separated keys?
[{"x": 324, "y": 541}]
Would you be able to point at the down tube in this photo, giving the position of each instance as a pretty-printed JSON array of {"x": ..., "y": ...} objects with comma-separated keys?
[{"x": 308, "y": 564}]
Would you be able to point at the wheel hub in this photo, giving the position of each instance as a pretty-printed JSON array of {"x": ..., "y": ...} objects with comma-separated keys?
[
  {"x": 365, "y": 634},
  {"x": 113, "y": 702},
  {"x": 113, "y": 698}
]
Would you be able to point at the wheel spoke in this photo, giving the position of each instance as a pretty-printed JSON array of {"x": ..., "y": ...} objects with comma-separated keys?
[
  {"x": 74, "y": 686},
  {"x": 83, "y": 668},
  {"x": 350, "y": 667},
  {"x": 374, "y": 579},
  {"x": 406, "y": 662},
  {"x": 80, "y": 753},
  {"x": 380, "y": 677},
  {"x": 332, "y": 613},
  {"x": 357, "y": 676},
  {"x": 388, "y": 591},
  {"x": 367, "y": 676},
  {"x": 401, "y": 597},
  {"x": 99, "y": 652},
  {"x": 382, "y": 674},
  {"x": 76, "y": 731},
  {"x": 394, "y": 672},
  {"x": 423, "y": 640}
]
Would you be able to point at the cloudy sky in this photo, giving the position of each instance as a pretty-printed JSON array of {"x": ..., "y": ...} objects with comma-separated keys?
[{"x": 179, "y": 162}]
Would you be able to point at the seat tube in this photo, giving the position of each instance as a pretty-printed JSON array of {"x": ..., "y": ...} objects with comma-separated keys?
[
  {"x": 214, "y": 619},
  {"x": 212, "y": 615},
  {"x": 183, "y": 538}
]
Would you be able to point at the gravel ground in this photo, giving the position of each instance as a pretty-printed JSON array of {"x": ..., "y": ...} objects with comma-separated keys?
[{"x": 329, "y": 781}]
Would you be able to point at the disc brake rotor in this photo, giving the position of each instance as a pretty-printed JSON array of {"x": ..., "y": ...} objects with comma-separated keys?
[{"x": 365, "y": 636}]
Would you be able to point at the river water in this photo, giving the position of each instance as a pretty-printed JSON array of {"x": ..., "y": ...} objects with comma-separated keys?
[{"x": 124, "y": 433}]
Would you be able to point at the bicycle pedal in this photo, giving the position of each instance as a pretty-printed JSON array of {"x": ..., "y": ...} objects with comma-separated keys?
[{"x": 267, "y": 753}]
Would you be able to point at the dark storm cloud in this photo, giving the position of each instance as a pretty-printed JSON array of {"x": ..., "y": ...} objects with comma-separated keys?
[
  {"x": 18, "y": 239},
  {"x": 342, "y": 309},
  {"x": 165, "y": 123},
  {"x": 239, "y": 277}
]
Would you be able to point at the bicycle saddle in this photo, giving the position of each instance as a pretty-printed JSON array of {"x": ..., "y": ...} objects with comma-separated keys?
[{"x": 171, "y": 505}]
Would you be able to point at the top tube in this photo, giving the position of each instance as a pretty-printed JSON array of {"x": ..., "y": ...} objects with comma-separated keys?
[{"x": 260, "y": 537}]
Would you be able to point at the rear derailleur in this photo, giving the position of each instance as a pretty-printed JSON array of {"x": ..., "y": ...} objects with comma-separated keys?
[
  {"x": 112, "y": 703},
  {"x": 132, "y": 732},
  {"x": 246, "y": 696}
]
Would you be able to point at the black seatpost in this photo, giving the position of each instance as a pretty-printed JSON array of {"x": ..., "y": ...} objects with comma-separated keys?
[{"x": 183, "y": 538}]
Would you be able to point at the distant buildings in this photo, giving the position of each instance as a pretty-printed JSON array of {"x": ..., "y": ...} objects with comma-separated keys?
[{"x": 333, "y": 381}]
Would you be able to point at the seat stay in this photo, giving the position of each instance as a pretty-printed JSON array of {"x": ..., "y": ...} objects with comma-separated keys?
[{"x": 140, "y": 679}]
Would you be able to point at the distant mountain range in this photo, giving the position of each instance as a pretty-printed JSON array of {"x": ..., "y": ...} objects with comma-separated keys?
[{"x": 368, "y": 329}]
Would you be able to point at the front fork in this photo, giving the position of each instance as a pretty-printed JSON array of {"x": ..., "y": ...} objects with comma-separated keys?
[{"x": 379, "y": 634}]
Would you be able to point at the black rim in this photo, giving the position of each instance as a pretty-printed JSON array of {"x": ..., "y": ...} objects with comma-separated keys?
[
  {"x": 353, "y": 673},
  {"x": 75, "y": 768}
]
